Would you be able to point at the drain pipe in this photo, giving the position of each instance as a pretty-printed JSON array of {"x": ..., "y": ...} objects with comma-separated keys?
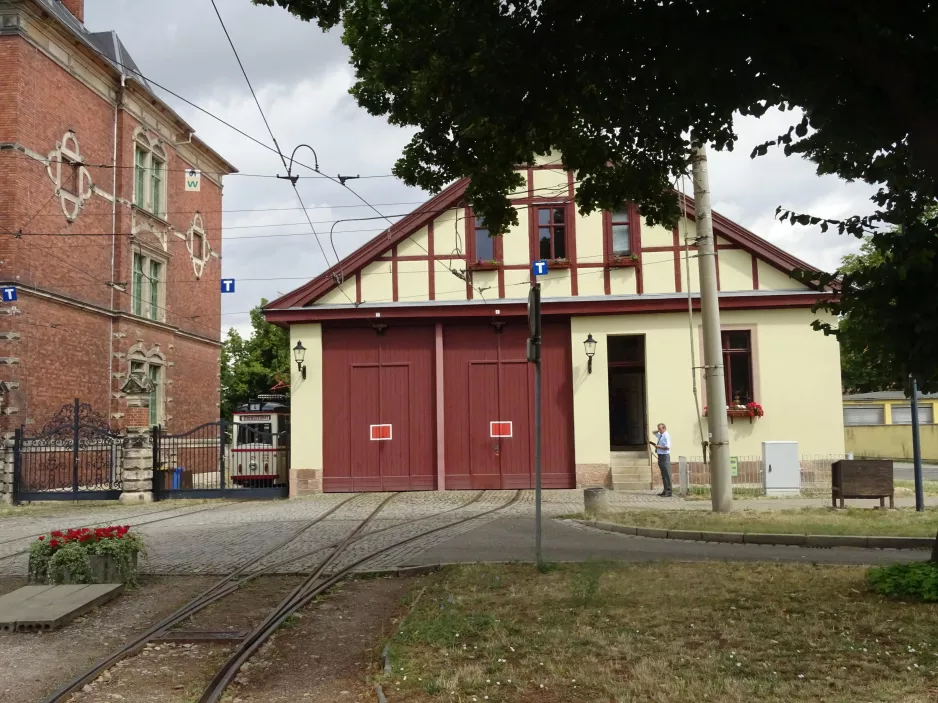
[{"x": 110, "y": 353}]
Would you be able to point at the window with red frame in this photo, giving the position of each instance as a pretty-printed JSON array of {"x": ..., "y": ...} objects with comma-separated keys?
[
  {"x": 621, "y": 231},
  {"x": 552, "y": 232},
  {"x": 485, "y": 244},
  {"x": 737, "y": 367}
]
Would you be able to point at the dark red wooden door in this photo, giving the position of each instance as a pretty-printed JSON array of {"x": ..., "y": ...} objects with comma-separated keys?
[
  {"x": 487, "y": 379},
  {"x": 378, "y": 379},
  {"x": 484, "y": 464}
]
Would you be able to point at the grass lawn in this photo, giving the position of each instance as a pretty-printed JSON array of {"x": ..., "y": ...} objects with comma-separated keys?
[
  {"x": 903, "y": 522},
  {"x": 670, "y": 633}
]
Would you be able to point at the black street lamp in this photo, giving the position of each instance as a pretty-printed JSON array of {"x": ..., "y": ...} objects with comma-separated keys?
[
  {"x": 299, "y": 354},
  {"x": 590, "y": 346}
]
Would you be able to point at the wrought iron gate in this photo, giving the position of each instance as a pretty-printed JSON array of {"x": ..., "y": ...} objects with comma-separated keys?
[
  {"x": 75, "y": 456},
  {"x": 208, "y": 462}
]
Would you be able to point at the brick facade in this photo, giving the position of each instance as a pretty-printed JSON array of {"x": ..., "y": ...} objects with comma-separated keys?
[{"x": 69, "y": 122}]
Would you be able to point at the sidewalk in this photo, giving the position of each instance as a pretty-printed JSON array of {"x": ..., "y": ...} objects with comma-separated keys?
[{"x": 633, "y": 500}]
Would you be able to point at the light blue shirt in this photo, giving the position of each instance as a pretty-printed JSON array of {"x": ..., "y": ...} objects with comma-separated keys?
[{"x": 665, "y": 439}]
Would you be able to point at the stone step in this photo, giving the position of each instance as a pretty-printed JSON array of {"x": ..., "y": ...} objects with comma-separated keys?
[
  {"x": 629, "y": 459},
  {"x": 630, "y": 485},
  {"x": 636, "y": 469},
  {"x": 630, "y": 467}
]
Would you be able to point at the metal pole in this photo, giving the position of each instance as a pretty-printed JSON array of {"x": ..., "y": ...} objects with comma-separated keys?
[
  {"x": 537, "y": 460},
  {"x": 721, "y": 487},
  {"x": 917, "y": 451},
  {"x": 76, "y": 426}
]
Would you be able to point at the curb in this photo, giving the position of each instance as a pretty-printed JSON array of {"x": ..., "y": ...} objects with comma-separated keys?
[{"x": 817, "y": 541}]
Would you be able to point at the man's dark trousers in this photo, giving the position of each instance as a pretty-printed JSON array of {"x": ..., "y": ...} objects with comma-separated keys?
[{"x": 664, "y": 463}]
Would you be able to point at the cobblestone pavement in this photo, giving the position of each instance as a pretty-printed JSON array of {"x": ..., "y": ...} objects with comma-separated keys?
[{"x": 217, "y": 537}]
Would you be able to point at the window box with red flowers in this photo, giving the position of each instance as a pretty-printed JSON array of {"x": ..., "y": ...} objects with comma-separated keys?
[
  {"x": 749, "y": 410},
  {"x": 558, "y": 264},
  {"x": 485, "y": 265},
  {"x": 86, "y": 555},
  {"x": 618, "y": 261}
]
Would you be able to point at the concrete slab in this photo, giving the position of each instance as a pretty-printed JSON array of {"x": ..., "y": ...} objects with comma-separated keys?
[{"x": 47, "y": 608}]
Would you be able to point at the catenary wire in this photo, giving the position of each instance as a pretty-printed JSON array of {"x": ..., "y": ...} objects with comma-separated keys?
[{"x": 274, "y": 139}]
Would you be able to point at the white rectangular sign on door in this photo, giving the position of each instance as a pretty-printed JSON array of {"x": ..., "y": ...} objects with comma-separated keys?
[{"x": 500, "y": 428}]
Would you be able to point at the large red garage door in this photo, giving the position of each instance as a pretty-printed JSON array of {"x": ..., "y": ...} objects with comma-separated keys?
[
  {"x": 489, "y": 407},
  {"x": 378, "y": 409}
]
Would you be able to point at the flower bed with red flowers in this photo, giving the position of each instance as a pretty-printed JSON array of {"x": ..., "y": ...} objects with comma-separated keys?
[{"x": 86, "y": 555}]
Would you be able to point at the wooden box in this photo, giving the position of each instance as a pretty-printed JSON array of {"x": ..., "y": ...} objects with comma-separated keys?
[{"x": 859, "y": 478}]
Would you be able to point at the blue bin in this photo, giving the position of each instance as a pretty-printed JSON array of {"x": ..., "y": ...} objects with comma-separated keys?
[{"x": 177, "y": 478}]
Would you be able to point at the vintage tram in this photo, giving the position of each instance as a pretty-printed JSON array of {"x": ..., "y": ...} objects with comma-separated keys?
[{"x": 260, "y": 443}]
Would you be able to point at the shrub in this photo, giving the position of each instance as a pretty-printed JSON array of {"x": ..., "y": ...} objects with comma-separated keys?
[
  {"x": 918, "y": 580},
  {"x": 66, "y": 554}
]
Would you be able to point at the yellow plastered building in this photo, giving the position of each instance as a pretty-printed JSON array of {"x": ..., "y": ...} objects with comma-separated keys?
[{"x": 416, "y": 375}]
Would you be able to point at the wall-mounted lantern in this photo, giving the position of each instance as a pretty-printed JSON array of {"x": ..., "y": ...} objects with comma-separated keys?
[
  {"x": 299, "y": 354},
  {"x": 590, "y": 346}
]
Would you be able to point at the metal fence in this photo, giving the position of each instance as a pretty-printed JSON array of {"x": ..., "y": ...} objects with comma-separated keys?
[
  {"x": 75, "y": 456},
  {"x": 747, "y": 473},
  {"x": 209, "y": 462}
]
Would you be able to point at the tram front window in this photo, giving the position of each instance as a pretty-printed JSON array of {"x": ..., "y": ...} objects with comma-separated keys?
[{"x": 254, "y": 433}]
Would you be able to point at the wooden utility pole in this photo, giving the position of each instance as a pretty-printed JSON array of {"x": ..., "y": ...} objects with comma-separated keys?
[{"x": 721, "y": 486}]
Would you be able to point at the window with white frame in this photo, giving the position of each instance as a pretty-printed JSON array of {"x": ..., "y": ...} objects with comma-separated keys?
[
  {"x": 902, "y": 414},
  {"x": 150, "y": 178},
  {"x": 198, "y": 243},
  {"x": 154, "y": 372},
  {"x": 148, "y": 285},
  {"x": 864, "y": 415}
]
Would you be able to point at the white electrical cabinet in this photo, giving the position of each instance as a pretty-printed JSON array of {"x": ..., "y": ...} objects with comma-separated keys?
[{"x": 781, "y": 469}]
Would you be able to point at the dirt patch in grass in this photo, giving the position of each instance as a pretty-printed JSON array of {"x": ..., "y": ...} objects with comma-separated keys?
[
  {"x": 330, "y": 650},
  {"x": 671, "y": 633},
  {"x": 177, "y": 673},
  {"x": 812, "y": 521},
  {"x": 35, "y": 664}
]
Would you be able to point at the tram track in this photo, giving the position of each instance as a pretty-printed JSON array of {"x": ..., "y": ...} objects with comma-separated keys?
[
  {"x": 299, "y": 597},
  {"x": 317, "y": 583}
]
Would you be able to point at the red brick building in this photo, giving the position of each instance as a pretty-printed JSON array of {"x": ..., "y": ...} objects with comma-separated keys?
[{"x": 115, "y": 256}]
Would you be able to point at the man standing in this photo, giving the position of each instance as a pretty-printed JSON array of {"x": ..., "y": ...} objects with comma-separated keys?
[{"x": 663, "y": 450}]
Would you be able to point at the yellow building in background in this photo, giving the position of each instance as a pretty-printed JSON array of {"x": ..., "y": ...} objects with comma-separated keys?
[
  {"x": 879, "y": 425},
  {"x": 414, "y": 375}
]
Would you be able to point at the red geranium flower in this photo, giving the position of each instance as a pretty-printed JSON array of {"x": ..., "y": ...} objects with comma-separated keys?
[{"x": 41, "y": 537}]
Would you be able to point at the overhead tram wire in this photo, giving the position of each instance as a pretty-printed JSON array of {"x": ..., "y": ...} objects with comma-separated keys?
[
  {"x": 283, "y": 159},
  {"x": 47, "y": 162},
  {"x": 372, "y": 273},
  {"x": 380, "y": 216},
  {"x": 149, "y": 80}
]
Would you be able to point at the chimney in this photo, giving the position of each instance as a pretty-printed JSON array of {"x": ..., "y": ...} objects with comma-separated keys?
[{"x": 77, "y": 8}]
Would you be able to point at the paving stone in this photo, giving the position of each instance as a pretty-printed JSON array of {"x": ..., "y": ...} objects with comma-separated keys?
[{"x": 218, "y": 538}]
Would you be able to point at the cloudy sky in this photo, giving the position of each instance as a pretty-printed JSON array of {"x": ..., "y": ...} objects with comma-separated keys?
[{"x": 302, "y": 77}]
